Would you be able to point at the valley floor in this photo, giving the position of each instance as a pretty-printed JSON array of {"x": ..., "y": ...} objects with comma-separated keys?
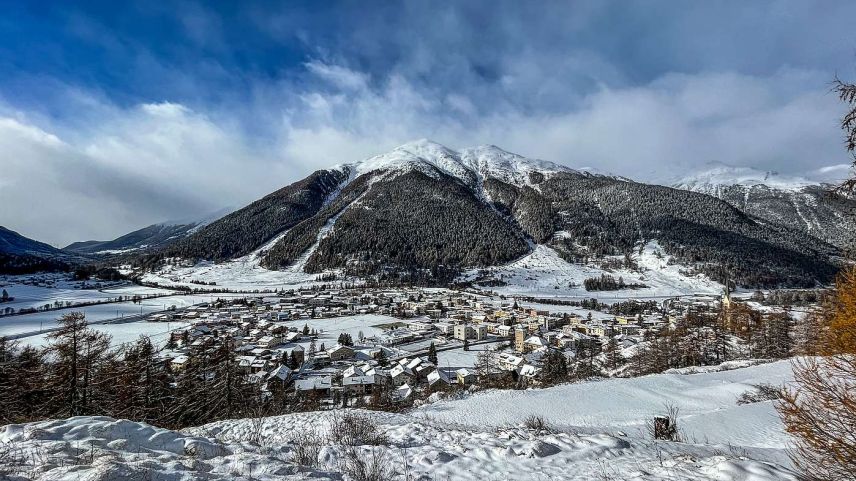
[{"x": 597, "y": 435}]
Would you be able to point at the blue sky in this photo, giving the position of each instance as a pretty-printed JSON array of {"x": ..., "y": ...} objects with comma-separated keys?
[{"x": 114, "y": 116}]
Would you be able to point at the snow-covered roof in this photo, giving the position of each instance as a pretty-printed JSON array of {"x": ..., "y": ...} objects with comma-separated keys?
[{"x": 282, "y": 372}]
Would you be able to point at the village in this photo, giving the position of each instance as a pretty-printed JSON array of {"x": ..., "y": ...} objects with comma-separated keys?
[{"x": 332, "y": 345}]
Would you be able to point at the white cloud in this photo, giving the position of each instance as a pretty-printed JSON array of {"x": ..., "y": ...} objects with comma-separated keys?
[
  {"x": 138, "y": 166},
  {"x": 123, "y": 168}
]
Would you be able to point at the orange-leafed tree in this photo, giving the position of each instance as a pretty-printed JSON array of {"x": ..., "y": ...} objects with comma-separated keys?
[{"x": 819, "y": 409}]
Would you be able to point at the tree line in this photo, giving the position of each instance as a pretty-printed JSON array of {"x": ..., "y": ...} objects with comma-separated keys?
[{"x": 78, "y": 373}]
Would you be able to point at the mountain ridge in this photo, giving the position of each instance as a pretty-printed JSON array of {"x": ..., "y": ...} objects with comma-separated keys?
[
  {"x": 22, "y": 255},
  {"x": 814, "y": 208},
  {"x": 150, "y": 237},
  {"x": 423, "y": 211}
]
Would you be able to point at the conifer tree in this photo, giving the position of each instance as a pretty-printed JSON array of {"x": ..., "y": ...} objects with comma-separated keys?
[
  {"x": 78, "y": 353},
  {"x": 382, "y": 359},
  {"x": 613, "y": 353},
  {"x": 432, "y": 354},
  {"x": 293, "y": 362},
  {"x": 554, "y": 368}
]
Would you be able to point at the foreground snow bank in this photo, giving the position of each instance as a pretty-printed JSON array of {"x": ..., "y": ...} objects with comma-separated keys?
[
  {"x": 591, "y": 435},
  {"x": 706, "y": 400},
  {"x": 433, "y": 449},
  {"x": 98, "y": 448},
  {"x": 102, "y": 449}
]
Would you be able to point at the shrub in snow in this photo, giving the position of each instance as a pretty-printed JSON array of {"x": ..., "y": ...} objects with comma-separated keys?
[
  {"x": 665, "y": 426},
  {"x": 366, "y": 464},
  {"x": 306, "y": 446},
  {"x": 351, "y": 429},
  {"x": 536, "y": 423},
  {"x": 760, "y": 393}
]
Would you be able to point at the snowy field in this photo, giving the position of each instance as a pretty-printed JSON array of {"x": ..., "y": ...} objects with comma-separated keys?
[
  {"x": 243, "y": 273},
  {"x": 479, "y": 437},
  {"x": 121, "y": 333},
  {"x": 542, "y": 273},
  {"x": 707, "y": 403},
  {"x": 457, "y": 358},
  {"x": 330, "y": 328},
  {"x": 63, "y": 290},
  {"x": 39, "y": 321}
]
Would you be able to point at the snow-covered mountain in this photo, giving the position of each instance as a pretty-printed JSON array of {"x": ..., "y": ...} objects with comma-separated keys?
[
  {"x": 424, "y": 212},
  {"x": 470, "y": 165},
  {"x": 710, "y": 180},
  {"x": 148, "y": 238},
  {"x": 809, "y": 206}
]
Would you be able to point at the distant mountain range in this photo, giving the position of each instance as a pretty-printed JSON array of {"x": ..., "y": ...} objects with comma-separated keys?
[
  {"x": 808, "y": 206},
  {"x": 19, "y": 254},
  {"x": 152, "y": 237},
  {"x": 423, "y": 213}
]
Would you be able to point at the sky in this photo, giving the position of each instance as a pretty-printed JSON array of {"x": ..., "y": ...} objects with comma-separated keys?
[{"x": 114, "y": 116}]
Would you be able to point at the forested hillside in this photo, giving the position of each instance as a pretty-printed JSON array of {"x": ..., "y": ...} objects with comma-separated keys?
[
  {"x": 151, "y": 237},
  {"x": 244, "y": 230},
  {"x": 423, "y": 208},
  {"x": 816, "y": 210},
  {"x": 22, "y": 255},
  {"x": 417, "y": 221},
  {"x": 698, "y": 229}
]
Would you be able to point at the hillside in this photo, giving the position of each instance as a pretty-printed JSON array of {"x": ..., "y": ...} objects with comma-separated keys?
[
  {"x": 19, "y": 254},
  {"x": 423, "y": 213},
  {"x": 151, "y": 237},
  {"x": 596, "y": 432},
  {"x": 813, "y": 208}
]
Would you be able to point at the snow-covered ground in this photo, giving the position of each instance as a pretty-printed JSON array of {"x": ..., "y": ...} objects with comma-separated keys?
[
  {"x": 456, "y": 358},
  {"x": 124, "y": 332},
  {"x": 64, "y": 290},
  {"x": 330, "y": 328},
  {"x": 479, "y": 437},
  {"x": 542, "y": 273},
  {"x": 39, "y": 321},
  {"x": 707, "y": 404},
  {"x": 244, "y": 273}
]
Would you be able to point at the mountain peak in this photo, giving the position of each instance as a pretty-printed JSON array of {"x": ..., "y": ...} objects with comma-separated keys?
[
  {"x": 469, "y": 165},
  {"x": 719, "y": 175}
]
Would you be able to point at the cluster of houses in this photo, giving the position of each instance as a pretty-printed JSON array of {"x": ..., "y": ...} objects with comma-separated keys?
[{"x": 274, "y": 343}]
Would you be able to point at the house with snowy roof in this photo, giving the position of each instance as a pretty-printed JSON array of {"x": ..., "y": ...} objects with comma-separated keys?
[
  {"x": 465, "y": 376},
  {"x": 321, "y": 383},
  {"x": 341, "y": 353},
  {"x": 356, "y": 379},
  {"x": 281, "y": 373},
  {"x": 535, "y": 343}
]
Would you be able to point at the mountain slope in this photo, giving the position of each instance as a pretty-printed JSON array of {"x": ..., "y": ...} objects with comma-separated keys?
[
  {"x": 416, "y": 221},
  {"x": 427, "y": 211},
  {"x": 12, "y": 242},
  {"x": 809, "y": 207},
  {"x": 19, "y": 254},
  {"x": 151, "y": 237},
  {"x": 246, "y": 229}
]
